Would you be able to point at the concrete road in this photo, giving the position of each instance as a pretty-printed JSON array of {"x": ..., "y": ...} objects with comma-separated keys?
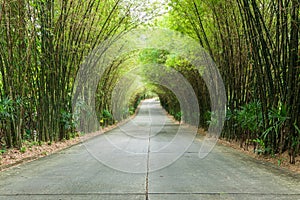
[{"x": 152, "y": 158}]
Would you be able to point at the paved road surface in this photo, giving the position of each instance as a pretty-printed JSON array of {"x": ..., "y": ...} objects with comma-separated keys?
[{"x": 102, "y": 168}]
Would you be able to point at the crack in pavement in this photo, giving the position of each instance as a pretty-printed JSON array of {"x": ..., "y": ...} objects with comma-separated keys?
[{"x": 148, "y": 160}]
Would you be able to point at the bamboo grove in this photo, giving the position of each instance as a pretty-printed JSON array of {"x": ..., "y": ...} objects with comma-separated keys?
[
  {"x": 42, "y": 44},
  {"x": 254, "y": 43},
  {"x": 256, "y": 46}
]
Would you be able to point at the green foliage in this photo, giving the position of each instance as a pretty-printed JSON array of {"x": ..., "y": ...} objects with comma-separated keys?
[
  {"x": 153, "y": 56},
  {"x": 178, "y": 116},
  {"x": 43, "y": 43},
  {"x": 278, "y": 117},
  {"x": 68, "y": 120},
  {"x": 211, "y": 118},
  {"x": 12, "y": 112},
  {"x": 23, "y": 149},
  {"x": 230, "y": 115},
  {"x": 31, "y": 144},
  {"x": 106, "y": 114},
  {"x": 297, "y": 129},
  {"x": 40, "y": 143},
  {"x": 260, "y": 149},
  {"x": 178, "y": 63},
  {"x": 27, "y": 135},
  {"x": 131, "y": 110},
  {"x": 6, "y": 108},
  {"x": 2, "y": 151},
  {"x": 106, "y": 118},
  {"x": 249, "y": 117},
  {"x": 296, "y": 138},
  {"x": 279, "y": 161}
]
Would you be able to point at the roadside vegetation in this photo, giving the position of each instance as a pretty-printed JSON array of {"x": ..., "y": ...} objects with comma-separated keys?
[{"x": 255, "y": 45}]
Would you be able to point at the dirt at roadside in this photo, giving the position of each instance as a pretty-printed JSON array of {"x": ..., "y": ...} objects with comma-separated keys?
[
  {"x": 29, "y": 152},
  {"x": 281, "y": 161},
  {"x": 13, "y": 157}
]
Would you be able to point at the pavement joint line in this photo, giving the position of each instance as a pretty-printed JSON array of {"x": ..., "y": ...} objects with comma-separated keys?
[
  {"x": 225, "y": 193},
  {"x": 74, "y": 194},
  {"x": 148, "y": 156},
  {"x": 159, "y": 193},
  {"x": 148, "y": 163},
  {"x": 160, "y": 184}
]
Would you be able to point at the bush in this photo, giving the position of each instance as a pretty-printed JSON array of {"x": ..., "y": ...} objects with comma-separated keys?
[
  {"x": 178, "y": 116},
  {"x": 249, "y": 117},
  {"x": 23, "y": 149},
  {"x": 68, "y": 120}
]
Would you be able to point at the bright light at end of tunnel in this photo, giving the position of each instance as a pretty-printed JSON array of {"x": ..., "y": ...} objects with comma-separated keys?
[{"x": 144, "y": 11}]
